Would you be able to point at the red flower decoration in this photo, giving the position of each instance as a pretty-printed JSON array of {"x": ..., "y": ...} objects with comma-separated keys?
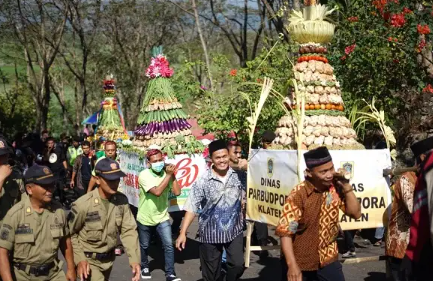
[
  {"x": 349, "y": 49},
  {"x": 233, "y": 72},
  {"x": 353, "y": 19},
  {"x": 406, "y": 10},
  {"x": 428, "y": 89},
  {"x": 398, "y": 20},
  {"x": 421, "y": 46},
  {"x": 206, "y": 152},
  {"x": 391, "y": 39},
  {"x": 423, "y": 29},
  {"x": 159, "y": 67},
  {"x": 380, "y": 4},
  {"x": 343, "y": 58}
]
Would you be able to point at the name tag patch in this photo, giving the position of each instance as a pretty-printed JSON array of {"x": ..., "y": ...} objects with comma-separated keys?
[
  {"x": 93, "y": 216},
  {"x": 24, "y": 229}
]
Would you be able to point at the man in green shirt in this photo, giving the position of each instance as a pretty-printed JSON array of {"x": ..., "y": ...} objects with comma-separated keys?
[
  {"x": 155, "y": 186},
  {"x": 74, "y": 151}
]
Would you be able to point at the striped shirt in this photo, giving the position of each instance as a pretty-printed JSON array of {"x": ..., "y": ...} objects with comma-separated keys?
[{"x": 219, "y": 206}]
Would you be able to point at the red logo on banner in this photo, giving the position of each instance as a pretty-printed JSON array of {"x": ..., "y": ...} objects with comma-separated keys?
[
  {"x": 186, "y": 172},
  {"x": 131, "y": 180}
]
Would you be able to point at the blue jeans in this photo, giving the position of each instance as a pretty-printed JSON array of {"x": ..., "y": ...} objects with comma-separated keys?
[
  {"x": 164, "y": 232},
  {"x": 379, "y": 233}
]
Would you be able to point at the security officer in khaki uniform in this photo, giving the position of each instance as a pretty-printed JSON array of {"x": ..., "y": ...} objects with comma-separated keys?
[
  {"x": 33, "y": 231},
  {"x": 95, "y": 221},
  {"x": 11, "y": 184}
]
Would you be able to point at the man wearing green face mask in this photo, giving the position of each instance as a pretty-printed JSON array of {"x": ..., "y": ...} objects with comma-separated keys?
[{"x": 155, "y": 183}]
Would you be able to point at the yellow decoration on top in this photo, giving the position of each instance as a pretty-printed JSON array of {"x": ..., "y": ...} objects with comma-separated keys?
[{"x": 312, "y": 25}]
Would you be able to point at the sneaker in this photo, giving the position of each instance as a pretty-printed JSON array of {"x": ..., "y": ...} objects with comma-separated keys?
[
  {"x": 349, "y": 254},
  {"x": 145, "y": 273},
  {"x": 173, "y": 277}
]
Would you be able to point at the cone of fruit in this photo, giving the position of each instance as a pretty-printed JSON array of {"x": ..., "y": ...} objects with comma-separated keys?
[
  {"x": 110, "y": 122},
  {"x": 325, "y": 123},
  {"x": 162, "y": 121}
]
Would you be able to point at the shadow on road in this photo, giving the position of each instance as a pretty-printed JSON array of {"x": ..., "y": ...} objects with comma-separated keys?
[
  {"x": 157, "y": 254},
  {"x": 375, "y": 276},
  {"x": 271, "y": 270},
  {"x": 189, "y": 253}
]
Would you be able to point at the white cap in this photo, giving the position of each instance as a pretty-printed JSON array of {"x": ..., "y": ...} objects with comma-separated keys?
[{"x": 154, "y": 146}]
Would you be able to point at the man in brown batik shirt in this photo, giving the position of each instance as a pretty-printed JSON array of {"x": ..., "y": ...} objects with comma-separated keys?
[{"x": 308, "y": 226}]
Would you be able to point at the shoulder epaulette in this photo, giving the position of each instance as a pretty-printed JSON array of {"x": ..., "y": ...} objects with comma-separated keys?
[
  {"x": 121, "y": 198},
  {"x": 15, "y": 208}
]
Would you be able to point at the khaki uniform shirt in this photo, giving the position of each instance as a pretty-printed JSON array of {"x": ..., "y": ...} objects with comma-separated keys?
[
  {"x": 33, "y": 238},
  {"x": 10, "y": 194},
  {"x": 94, "y": 228}
]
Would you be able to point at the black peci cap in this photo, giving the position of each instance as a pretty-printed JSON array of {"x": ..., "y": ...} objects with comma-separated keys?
[
  {"x": 317, "y": 157},
  {"x": 109, "y": 169},
  {"x": 422, "y": 147},
  {"x": 217, "y": 145},
  {"x": 39, "y": 175}
]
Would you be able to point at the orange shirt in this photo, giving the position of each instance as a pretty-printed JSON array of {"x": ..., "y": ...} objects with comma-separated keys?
[{"x": 311, "y": 218}]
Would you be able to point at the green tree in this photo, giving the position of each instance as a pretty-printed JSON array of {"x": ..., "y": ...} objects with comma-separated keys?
[{"x": 376, "y": 53}]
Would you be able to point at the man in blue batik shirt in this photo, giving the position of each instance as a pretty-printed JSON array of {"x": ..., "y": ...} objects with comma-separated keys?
[{"x": 217, "y": 199}]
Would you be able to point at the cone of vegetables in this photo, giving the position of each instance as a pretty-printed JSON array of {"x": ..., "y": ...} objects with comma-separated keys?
[
  {"x": 162, "y": 121},
  {"x": 325, "y": 122},
  {"x": 110, "y": 120}
]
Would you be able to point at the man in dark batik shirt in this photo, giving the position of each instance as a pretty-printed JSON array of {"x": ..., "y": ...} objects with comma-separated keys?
[{"x": 308, "y": 226}]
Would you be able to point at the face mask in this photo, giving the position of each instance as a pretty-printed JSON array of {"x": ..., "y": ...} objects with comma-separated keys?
[{"x": 158, "y": 166}]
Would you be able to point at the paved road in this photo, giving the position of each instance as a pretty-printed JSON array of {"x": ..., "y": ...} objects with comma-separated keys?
[{"x": 188, "y": 266}]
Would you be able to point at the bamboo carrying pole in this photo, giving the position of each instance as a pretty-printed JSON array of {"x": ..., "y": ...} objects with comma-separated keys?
[
  {"x": 398, "y": 171},
  {"x": 300, "y": 112},
  {"x": 252, "y": 120}
]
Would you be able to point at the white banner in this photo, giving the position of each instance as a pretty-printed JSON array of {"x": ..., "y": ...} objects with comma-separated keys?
[
  {"x": 272, "y": 175},
  {"x": 189, "y": 170}
]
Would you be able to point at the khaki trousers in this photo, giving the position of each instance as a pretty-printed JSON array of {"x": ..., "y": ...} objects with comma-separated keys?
[{"x": 100, "y": 271}]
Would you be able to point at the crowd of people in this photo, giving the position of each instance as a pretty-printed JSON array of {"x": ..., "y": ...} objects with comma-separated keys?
[{"x": 41, "y": 178}]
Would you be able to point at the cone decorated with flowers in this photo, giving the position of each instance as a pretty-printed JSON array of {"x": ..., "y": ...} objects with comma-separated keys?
[
  {"x": 162, "y": 120},
  {"x": 111, "y": 125},
  {"x": 325, "y": 123}
]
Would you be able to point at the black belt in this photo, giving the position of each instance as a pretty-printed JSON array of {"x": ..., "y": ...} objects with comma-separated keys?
[
  {"x": 99, "y": 256},
  {"x": 41, "y": 270}
]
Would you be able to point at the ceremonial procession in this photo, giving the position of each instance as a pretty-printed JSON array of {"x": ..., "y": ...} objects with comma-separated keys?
[{"x": 216, "y": 140}]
